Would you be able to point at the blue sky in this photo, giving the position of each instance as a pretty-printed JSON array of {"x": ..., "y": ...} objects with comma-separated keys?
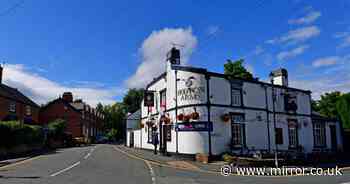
[{"x": 98, "y": 48}]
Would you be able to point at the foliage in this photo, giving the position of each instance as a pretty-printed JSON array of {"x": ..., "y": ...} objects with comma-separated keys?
[
  {"x": 112, "y": 134},
  {"x": 132, "y": 100},
  {"x": 57, "y": 128},
  {"x": 343, "y": 109},
  {"x": 14, "y": 133},
  {"x": 237, "y": 70},
  {"x": 326, "y": 106}
]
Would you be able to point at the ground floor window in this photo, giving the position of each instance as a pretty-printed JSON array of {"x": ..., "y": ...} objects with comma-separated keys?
[
  {"x": 319, "y": 134},
  {"x": 293, "y": 133},
  {"x": 238, "y": 130}
]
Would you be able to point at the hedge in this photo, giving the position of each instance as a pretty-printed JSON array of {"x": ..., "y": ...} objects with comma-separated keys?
[{"x": 14, "y": 133}]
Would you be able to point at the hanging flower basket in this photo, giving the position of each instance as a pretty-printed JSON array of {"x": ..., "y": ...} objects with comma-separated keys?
[
  {"x": 187, "y": 118},
  {"x": 225, "y": 118},
  {"x": 195, "y": 115},
  {"x": 180, "y": 117}
]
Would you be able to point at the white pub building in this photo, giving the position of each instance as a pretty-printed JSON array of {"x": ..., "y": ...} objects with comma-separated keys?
[{"x": 193, "y": 110}]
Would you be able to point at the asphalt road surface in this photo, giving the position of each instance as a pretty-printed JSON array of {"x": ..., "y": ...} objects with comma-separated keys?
[{"x": 103, "y": 164}]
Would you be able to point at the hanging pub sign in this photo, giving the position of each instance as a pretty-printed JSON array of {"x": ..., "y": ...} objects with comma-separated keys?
[{"x": 148, "y": 98}]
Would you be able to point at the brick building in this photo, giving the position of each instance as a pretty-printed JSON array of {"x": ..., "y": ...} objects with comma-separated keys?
[
  {"x": 16, "y": 106},
  {"x": 82, "y": 120}
]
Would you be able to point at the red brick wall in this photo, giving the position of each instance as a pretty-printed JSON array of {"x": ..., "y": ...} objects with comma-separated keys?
[
  {"x": 56, "y": 111},
  {"x": 20, "y": 110}
]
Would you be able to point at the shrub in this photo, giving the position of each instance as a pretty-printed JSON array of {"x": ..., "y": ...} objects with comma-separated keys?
[
  {"x": 14, "y": 133},
  {"x": 112, "y": 134},
  {"x": 57, "y": 128}
]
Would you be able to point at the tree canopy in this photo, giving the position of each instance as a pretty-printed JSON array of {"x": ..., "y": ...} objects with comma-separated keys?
[
  {"x": 132, "y": 100},
  {"x": 237, "y": 70},
  {"x": 334, "y": 105},
  {"x": 326, "y": 106}
]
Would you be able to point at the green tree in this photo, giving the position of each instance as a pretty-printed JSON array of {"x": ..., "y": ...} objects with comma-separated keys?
[
  {"x": 326, "y": 106},
  {"x": 237, "y": 70},
  {"x": 343, "y": 110},
  {"x": 132, "y": 100}
]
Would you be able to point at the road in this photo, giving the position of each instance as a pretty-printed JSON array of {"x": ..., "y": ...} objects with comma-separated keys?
[{"x": 103, "y": 164}]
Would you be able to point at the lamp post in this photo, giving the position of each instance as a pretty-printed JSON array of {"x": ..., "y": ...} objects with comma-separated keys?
[{"x": 274, "y": 117}]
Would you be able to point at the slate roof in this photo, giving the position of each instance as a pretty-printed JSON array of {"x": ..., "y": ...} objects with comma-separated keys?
[{"x": 14, "y": 94}]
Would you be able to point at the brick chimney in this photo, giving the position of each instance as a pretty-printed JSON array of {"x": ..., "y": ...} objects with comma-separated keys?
[
  {"x": 68, "y": 96},
  {"x": 1, "y": 73}
]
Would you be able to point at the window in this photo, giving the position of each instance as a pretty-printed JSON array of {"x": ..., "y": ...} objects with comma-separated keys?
[
  {"x": 236, "y": 97},
  {"x": 319, "y": 135},
  {"x": 163, "y": 100},
  {"x": 12, "y": 107},
  {"x": 28, "y": 110},
  {"x": 238, "y": 130},
  {"x": 293, "y": 133},
  {"x": 279, "y": 135}
]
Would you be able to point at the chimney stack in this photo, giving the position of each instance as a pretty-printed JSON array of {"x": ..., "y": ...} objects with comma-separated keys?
[
  {"x": 1, "y": 69},
  {"x": 279, "y": 77},
  {"x": 68, "y": 97}
]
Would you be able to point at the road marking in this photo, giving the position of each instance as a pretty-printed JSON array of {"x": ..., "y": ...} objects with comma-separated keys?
[
  {"x": 66, "y": 169},
  {"x": 153, "y": 176},
  {"x": 19, "y": 163},
  {"x": 87, "y": 156}
]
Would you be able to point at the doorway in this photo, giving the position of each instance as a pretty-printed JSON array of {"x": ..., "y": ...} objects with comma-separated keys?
[
  {"x": 131, "y": 138},
  {"x": 333, "y": 137}
]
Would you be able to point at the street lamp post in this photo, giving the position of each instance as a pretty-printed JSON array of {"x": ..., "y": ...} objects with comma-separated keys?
[{"x": 274, "y": 118}]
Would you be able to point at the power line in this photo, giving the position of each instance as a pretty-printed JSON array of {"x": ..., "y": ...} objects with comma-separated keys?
[{"x": 12, "y": 8}]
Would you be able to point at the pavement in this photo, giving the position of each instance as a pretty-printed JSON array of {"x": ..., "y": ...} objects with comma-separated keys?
[{"x": 104, "y": 164}]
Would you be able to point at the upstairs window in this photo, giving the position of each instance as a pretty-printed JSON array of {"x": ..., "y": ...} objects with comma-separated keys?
[
  {"x": 12, "y": 107},
  {"x": 163, "y": 100},
  {"x": 28, "y": 110},
  {"x": 293, "y": 133},
  {"x": 236, "y": 93}
]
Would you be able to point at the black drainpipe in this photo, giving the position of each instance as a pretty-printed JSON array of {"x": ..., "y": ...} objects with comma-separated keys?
[
  {"x": 267, "y": 119},
  {"x": 207, "y": 77},
  {"x": 177, "y": 133}
]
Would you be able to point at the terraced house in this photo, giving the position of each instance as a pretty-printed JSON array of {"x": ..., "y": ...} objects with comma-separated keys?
[
  {"x": 16, "y": 106},
  {"x": 82, "y": 120}
]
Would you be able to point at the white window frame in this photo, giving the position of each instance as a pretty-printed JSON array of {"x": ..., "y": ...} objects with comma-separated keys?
[
  {"x": 12, "y": 107},
  {"x": 236, "y": 97},
  {"x": 28, "y": 110},
  {"x": 319, "y": 130},
  {"x": 238, "y": 130}
]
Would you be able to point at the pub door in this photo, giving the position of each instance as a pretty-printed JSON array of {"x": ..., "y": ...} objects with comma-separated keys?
[{"x": 333, "y": 137}]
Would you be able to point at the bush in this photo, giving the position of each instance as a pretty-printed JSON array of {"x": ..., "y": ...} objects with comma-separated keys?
[
  {"x": 14, "y": 133},
  {"x": 112, "y": 134},
  {"x": 57, "y": 128}
]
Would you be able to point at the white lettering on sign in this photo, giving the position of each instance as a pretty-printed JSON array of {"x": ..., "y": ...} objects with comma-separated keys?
[{"x": 189, "y": 94}]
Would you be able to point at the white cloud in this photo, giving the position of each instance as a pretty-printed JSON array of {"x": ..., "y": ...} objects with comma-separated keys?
[
  {"x": 213, "y": 30},
  {"x": 153, "y": 53},
  {"x": 258, "y": 50},
  {"x": 332, "y": 78},
  {"x": 297, "y": 35},
  {"x": 344, "y": 39},
  {"x": 292, "y": 53},
  {"x": 307, "y": 19},
  {"x": 42, "y": 90},
  {"x": 326, "y": 61}
]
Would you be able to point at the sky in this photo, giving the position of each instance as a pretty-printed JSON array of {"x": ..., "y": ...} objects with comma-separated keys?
[{"x": 100, "y": 49}]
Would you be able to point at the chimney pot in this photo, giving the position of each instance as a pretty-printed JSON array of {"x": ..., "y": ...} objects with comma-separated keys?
[{"x": 68, "y": 96}]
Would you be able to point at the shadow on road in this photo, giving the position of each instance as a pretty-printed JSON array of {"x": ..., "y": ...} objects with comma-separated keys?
[{"x": 19, "y": 177}]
